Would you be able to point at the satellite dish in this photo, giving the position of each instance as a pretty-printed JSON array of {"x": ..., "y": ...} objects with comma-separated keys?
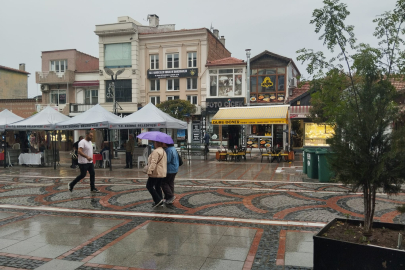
[
  {"x": 119, "y": 72},
  {"x": 109, "y": 71}
]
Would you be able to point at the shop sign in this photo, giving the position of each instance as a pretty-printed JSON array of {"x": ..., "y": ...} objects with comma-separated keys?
[
  {"x": 249, "y": 121},
  {"x": 181, "y": 134},
  {"x": 298, "y": 116},
  {"x": 173, "y": 73},
  {"x": 196, "y": 131},
  {"x": 267, "y": 98},
  {"x": 267, "y": 82},
  {"x": 213, "y": 104}
]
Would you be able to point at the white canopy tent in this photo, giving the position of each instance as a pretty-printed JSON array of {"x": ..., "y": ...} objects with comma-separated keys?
[
  {"x": 96, "y": 117},
  {"x": 44, "y": 120},
  {"x": 148, "y": 117},
  {"x": 7, "y": 117}
]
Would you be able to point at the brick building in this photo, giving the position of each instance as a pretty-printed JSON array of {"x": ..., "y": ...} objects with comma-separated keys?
[
  {"x": 13, "y": 82},
  {"x": 24, "y": 107}
]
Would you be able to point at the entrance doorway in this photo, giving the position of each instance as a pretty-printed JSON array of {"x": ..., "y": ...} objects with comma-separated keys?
[{"x": 233, "y": 136}]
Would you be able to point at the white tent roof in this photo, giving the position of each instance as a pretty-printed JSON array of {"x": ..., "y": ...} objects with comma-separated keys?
[
  {"x": 96, "y": 117},
  {"x": 149, "y": 117},
  {"x": 7, "y": 117},
  {"x": 44, "y": 120}
]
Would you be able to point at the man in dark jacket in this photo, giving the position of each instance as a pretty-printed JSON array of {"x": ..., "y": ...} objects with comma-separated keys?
[
  {"x": 129, "y": 149},
  {"x": 75, "y": 148}
]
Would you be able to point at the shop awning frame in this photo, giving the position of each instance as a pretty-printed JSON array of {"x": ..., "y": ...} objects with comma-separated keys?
[{"x": 252, "y": 115}]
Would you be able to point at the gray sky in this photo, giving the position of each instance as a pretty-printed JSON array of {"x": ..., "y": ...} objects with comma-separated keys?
[{"x": 28, "y": 27}]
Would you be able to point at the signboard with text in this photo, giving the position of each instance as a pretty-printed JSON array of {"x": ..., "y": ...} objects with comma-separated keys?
[
  {"x": 249, "y": 121},
  {"x": 173, "y": 73},
  {"x": 213, "y": 104}
]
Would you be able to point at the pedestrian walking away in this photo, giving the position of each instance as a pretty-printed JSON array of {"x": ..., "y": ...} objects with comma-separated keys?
[
  {"x": 157, "y": 170},
  {"x": 206, "y": 142},
  {"x": 129, "y": 151},
  {"x": 75, "y": 149},
  {"x": 172, "y": 169},
  {"x": 85, "y": 158}
]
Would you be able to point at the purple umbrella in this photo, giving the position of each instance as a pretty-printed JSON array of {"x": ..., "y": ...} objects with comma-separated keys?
[{"x": 156, "y": 136}]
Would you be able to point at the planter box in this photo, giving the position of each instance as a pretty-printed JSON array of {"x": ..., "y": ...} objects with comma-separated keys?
[{"x": 332, "y": 254}]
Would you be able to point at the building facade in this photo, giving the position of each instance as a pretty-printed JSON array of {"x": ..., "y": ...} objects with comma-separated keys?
[
  {"x": 13, "y": 82},
  {"x": 69, "y": 81}
]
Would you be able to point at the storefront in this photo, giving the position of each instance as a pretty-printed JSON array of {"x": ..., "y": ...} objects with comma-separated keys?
[
  {"x": 267, "y": 123},
  {"x": 223, "y": 134}
]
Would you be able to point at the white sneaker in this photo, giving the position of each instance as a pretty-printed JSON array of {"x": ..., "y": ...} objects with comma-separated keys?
[{"x": 159, "y": 203}]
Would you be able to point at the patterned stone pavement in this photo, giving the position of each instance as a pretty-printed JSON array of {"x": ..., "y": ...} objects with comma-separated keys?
[{"x": 269, "y": 202}]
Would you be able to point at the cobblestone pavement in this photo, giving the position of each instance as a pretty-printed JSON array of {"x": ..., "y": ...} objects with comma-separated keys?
[{"x": 266, "y": 202}]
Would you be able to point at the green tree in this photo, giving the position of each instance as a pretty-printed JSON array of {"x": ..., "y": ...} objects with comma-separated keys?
[
  {"x": 353, "y": 91},
  {"x": 177, "y": 108}
]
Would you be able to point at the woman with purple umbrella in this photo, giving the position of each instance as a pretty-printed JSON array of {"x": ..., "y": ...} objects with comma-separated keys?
[{"x": 157, "y": 164}]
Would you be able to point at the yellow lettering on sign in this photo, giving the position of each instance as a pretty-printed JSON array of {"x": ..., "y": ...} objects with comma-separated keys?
[{"x": 267, "y": 82}]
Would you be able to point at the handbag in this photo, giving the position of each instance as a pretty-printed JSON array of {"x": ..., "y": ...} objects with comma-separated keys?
[
  {"x": 180, "y": 159},
  {"x": 74, "y": 156}
]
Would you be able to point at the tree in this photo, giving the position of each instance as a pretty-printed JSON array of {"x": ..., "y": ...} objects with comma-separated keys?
[
  {"x": 359, "y": 99},
  {"x": 177, "y": 108}
]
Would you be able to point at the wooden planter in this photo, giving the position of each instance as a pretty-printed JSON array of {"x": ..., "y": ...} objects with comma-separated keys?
[{"x": 330, "y": 254}]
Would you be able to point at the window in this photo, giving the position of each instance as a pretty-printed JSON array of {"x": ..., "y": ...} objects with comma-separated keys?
[
  {"x": 172, "y": 97},
  {"x": 90, "y": 96},
  {"x": 155, "y": 100},
  {"x": 226, "y": 82},
  {"x": 172, "y": 60},
  {"x": 58, "y": 96},
  {"x": 155, "y": 85},
  {"x": 117, "y": 55},
  {"x": 191, "y": 59},
  {"x": 58, "y": 65},
  {"x": 173, "y": 84},
  {"x": 123, "y": 91},
  {"x": 154, "y": 61},
  {"x": 191, "y": 83},
  {"x": 192, "y": 99},
  {"x": 267, "y": 85}
]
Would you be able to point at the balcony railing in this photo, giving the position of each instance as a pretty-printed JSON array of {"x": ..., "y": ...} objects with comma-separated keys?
[
  {"x": 59, "y": 108},
  {"x": 51, "y": 77},
  {"x": 79, "y": 108}
]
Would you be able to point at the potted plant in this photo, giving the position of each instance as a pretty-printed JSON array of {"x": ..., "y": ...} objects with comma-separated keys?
[{"x": 358, "y": 98}]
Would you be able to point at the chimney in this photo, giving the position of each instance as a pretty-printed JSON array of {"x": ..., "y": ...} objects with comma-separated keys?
[
  {"x": 153, "y": 20},
  {"x": 216, "y": 33},
  {"x": 22, "y": 67},
  {"x": 222, "y": 39}
]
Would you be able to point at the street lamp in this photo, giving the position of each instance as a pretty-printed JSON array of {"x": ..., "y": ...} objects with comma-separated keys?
[{"x": 248, "y": 77}]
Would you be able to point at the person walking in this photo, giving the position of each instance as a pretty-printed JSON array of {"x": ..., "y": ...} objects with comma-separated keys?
[
  {"x": 75, "y": 149},
  {"x": 172, "y": 169},
  {"x": 129, "y": 150},
  {"x": 85, "y": 158},
  {"x": 157, "y": 170},
  {"x": 206, "y": 142}
]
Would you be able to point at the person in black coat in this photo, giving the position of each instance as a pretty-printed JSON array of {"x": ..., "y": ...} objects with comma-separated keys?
[{"x": 75, "y": 148}]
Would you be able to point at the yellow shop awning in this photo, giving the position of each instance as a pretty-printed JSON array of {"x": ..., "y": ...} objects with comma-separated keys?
[{"x": 251, "y": 115}]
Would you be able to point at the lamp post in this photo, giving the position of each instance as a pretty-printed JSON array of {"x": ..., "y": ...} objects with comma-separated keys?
[{"x": 248, "y": 77}]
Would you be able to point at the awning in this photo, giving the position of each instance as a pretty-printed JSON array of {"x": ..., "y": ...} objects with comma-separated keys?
[
  {"x": 299, "y": 111},
  {"x": 251, "y": 115},
  {"x": 85, "y": 83}
]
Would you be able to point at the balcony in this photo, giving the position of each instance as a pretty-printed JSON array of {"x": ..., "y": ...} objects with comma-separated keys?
[
  {"x": 79, "y": 108},
  {"x": 59, "y": 108},
  {"x": 51, "y": 77}
]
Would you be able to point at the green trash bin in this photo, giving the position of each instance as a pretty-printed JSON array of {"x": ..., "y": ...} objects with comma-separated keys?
[
  {"x": 304, "y": 160},
  {"x": 324, "y": 171},
  {"x": 312, "y": 163}
]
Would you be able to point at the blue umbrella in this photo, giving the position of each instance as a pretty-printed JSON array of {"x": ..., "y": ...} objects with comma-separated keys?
[{"x": 156, "y": 136}]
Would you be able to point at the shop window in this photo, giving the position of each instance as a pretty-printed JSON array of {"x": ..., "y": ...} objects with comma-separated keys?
[
  {"x": 213, "y": 86},
  {"x": 172, "y": 97},
  {"x": 191, "y": 59},
  {"x": 191, "y": 83},
  {"x": 155, "y": 85},
  {"x": 123, "y": 91},
  {"x": 317, "y": 134},
  {"x": 226, "y": 83},
  {"x": 117, "y": 55},
  {"x": 154, "y": 61},
  {"x": 155, "y": 100},
  {"x": 172, "y": 60},
  {"x": 193, "y": 99},
  {"x": 267, "y": 80},
  {"x": 173, "y": 84},
  {"x": 90, "y": 96},
  {"x": 58, "y": 97}
]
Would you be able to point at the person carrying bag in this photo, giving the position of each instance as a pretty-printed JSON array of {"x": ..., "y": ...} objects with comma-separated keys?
[{"x": 156, "y": 170}]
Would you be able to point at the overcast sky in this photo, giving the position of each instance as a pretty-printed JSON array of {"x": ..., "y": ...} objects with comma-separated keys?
[{"x": 28, "y": 27}]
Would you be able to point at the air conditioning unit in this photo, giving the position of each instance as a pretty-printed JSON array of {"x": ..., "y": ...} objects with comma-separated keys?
[
  {"x": 44, "y": 87},
  {"x": 293, "y": 83},
  {"x": 197, "y": 110}
]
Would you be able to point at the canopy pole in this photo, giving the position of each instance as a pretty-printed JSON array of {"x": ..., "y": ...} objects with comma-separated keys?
[
  {"x": 109, "y": 147},
  {"x": 54, "y": 151},
  {"x": 5, "y": 148}
]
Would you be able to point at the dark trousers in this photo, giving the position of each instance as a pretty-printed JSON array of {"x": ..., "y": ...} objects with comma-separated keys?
[
  {"x": 153, "y": 186},
  {"x": 168, "y": 185},
  {"x": 128, "y": 159},
  {"x": 83, "y": 171}
]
